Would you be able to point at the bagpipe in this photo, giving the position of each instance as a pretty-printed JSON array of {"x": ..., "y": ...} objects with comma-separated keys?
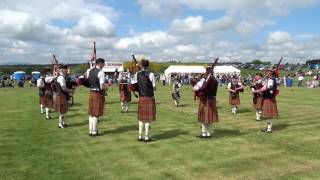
[
  {"x": 134, "y": 68},
  {"x": 256, "y": 86},
  {"x": 237, "y": 89},
  {"x": 277, "y": 74},
  {"x": 83, "y": 80},
  {"x": 55, "y": 64},
  {"x": 200, "y": 93}
]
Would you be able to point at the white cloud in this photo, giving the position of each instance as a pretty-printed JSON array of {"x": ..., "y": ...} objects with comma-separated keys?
[
  {"x": 94, "y": 25},
  {"x": 187, "y": 49},
  {"x": 160, "y": 9},
  {"x": 279, "y": 37},
  {"x": 196, "y": 24},
  {"x": 146, "y": 40},
  {"x": 191, "y": 24}
]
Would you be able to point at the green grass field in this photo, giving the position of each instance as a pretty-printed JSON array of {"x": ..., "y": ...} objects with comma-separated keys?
[{"x": 34, "y": 148}]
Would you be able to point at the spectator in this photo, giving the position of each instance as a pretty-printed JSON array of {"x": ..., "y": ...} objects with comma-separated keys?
[
  {"x": 300, "y": 79},
  {"x": 163, "y": 79}
]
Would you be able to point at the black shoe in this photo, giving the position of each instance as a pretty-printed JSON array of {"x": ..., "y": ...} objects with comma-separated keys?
[
  {"x": 48, "y": 118},
  {"x": 65, "y": 125},
  {"x": 147, "y": 140},
  {"x": 266, "y": 131},
  {"x": 201, "y": 137},
  {"x": 98, "y": 134},
  {"x": 94, "y": 135},
  {"x": 90, "y": 134},
  {"x": 140, "y": 138}
]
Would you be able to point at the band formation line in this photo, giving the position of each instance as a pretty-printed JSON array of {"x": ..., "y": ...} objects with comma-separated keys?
[{"x": 56, "y": 89}]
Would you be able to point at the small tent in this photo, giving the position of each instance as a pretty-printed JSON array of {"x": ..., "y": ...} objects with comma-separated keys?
[
  {"x": 19, "y": 75},
  {"x": 36, "y": 75}
]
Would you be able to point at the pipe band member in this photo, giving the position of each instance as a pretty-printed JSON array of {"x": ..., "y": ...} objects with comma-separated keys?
[
  {"x": 207, "y": 111},
  {"x": 98, "y": 86}
]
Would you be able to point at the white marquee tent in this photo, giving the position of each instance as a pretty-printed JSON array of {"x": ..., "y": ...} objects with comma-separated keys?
[{"x": 226, "y": 70}]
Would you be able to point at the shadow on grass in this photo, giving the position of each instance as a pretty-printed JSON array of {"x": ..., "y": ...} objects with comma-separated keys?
[
  {"x": 169, "y": 134},
  {"x": 184, "y": 105},
  {"x": 76, "y": 115},
  {"x": 132, "y": 112},
  {"x": 86, "y": 122},
  {"x": 112, "y": 102},
  {"x": 244, "y": 110},
  {"x": 71, "y": 109},
  {"x": 279, "y": 127},
  {"x": 77, "y": 104},
  {"x": 120, "y": 130},
  {"x": 220, "y": 133}
]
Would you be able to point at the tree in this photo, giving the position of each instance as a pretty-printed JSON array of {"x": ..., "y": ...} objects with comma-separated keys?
[{"x": 256, "y": 61}]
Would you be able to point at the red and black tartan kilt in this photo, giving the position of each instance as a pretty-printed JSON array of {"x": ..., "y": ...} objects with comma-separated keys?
[
  {"x": 207, "y": 112},
  {"x": 61, "y": 105},
  {"x": 146, "y": 109},
  {"x": 125, "y": 96},
  {"x": 258, "y": 104},
  {"x": 96, "y": 103},
  {"x": 48, "y": 101},
  {"x": 234, "y": 101},
  {"x": 269, "y": 108}
]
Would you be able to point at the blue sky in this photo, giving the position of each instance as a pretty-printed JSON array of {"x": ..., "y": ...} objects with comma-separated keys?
[{"x": 162, "y": 30}]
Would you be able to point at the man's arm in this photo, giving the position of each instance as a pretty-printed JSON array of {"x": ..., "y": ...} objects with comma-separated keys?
[
  {"x": 62, "y": 81},
  {"x": 198, "y": 85},
  {"x": 103, "y": 84},
  {"x": 152, "y": 79}
]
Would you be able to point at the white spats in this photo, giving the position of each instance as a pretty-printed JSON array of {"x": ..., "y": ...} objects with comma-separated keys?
[
  {"x": 94, "y": 125},
  {"x": 234, "y": 109},
  {"x": 258, "y": 115},
  {"x": 203, "y": 130},
  {"x": 62, "y": 121},
  {"x": 124, "y": 106},
  {"x": 47, "y": 113},
  {"x": 42, "y": 109},
  {"x": 141, "y": 125},
  {"x": 209, "y": 130},
  {"x": 90, "y": 125},
  {"x": 269, "y": 123},
  {"x": 147, "y": 128}
]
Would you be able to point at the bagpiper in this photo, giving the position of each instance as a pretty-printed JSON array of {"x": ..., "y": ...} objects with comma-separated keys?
[
  {"x": 269, "y": 107},
  {"x": 124, "y": 91},
  {"x": 146, "y": 105},
  {"x": 42, "y": 90},
  {"x": 206, "y": 90},
  {"x": 257, "y": 97},
  {"x": 98, "y": 86},
  {"x": 62, "y": 94},
  {"x": 45, "y": 92},
  {"x": 176, "y": 92},
  {"x": 234, "y": 88}
]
